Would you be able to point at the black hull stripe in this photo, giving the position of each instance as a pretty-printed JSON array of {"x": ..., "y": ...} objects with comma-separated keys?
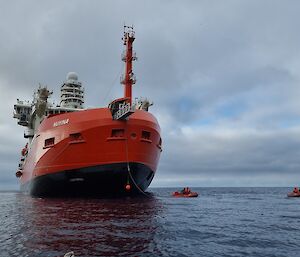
[{"x": 109, "y": 179}]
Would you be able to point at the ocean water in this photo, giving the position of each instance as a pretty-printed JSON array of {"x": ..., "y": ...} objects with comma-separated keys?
[{"x": 220, "y": 222}]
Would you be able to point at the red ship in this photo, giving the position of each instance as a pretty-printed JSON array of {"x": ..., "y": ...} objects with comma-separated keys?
[{"x": 72, "y": 150}]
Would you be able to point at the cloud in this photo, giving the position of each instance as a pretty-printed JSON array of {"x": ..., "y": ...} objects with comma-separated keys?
[{"x": 208, "y": 155}]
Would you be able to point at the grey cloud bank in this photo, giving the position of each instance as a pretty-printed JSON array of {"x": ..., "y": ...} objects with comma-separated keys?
[{"x": 224, "y": 77}]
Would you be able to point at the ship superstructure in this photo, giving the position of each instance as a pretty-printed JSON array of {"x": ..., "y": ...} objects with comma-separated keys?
[
  {"x": 31, "y": 114},
  {"x": 75, "y": 150}
]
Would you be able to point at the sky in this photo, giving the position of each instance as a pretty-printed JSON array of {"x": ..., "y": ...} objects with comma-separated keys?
[{"x": 224, "y": 77}]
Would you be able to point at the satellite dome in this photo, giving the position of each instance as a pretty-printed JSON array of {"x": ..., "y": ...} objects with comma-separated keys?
[{"x": 72, "y": 76}]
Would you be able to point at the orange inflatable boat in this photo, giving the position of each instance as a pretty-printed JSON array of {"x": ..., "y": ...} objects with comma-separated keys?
[
  {"x": 293, "y": 194},
  {"x": 179, "y": 194}
]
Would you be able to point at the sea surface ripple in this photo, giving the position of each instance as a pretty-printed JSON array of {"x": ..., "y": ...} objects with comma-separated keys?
[{"x": 220, "y": 222}]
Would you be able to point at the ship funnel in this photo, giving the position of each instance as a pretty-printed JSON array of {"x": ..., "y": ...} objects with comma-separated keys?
[{"x": 72, "y": 92}]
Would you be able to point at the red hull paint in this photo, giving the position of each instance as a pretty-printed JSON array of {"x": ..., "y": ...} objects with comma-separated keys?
[{"x": 96, "y": 144}]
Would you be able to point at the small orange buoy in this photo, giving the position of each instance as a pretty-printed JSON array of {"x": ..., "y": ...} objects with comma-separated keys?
[{"x": 127, "y": 187}]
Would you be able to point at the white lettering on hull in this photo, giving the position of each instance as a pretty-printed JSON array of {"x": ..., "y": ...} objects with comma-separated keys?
[{"x": 60, "y": 123}]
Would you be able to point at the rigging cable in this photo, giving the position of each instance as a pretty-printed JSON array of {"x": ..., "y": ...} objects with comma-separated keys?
[{"x": 112, "y": 84}]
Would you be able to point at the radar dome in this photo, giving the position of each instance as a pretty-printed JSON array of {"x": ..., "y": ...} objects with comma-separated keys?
[{"x": 72, "y": 76}]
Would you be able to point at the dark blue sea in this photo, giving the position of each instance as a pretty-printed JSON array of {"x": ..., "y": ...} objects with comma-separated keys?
[{"x": 220, "y": 222}]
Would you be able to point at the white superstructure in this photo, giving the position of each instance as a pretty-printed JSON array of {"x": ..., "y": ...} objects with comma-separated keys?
[
  {"x": 31, "y": 114},
  {"x": 72, "y": 93}
]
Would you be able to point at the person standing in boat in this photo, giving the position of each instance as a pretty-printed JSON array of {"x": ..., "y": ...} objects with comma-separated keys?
[{"x": 186, "y": 191}]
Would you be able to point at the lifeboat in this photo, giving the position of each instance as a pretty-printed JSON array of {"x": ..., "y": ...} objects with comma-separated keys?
[
  {"x": 293, "y": 194},
  {"x": 19, "y": 174},
  {"x": 24, "y": 150},
  {"x": 179, "y": 194}
]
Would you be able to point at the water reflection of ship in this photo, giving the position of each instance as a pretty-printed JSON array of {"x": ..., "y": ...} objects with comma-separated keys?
[{"x": 93, "y": 227}]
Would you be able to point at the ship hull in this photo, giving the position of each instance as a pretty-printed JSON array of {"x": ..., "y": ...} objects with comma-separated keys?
[
  {"x": 102, "y": 180},
  {"x": 89, "y": 153}
]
